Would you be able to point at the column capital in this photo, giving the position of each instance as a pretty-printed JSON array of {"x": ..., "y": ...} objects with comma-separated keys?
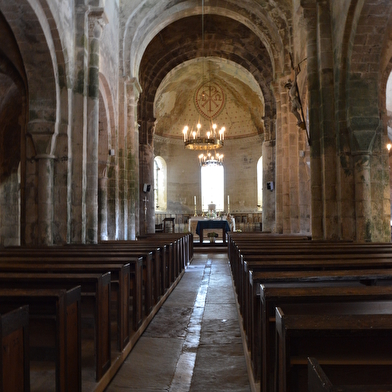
[
  {"x": 42, "y": 133},
  {"x": 132, "y": 87},
  {"x": 97, "y": 20}
]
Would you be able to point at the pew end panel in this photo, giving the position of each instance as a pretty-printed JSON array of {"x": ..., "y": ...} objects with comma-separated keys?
[
  {"x": 14, "y": 355},
  {"x": 355, "y": 349}
]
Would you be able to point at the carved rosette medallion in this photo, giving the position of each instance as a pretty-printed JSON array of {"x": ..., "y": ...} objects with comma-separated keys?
[{"x": 209, "y": 99}]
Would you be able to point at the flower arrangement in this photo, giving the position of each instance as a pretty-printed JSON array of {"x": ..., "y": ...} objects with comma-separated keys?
[{"x": 212, "y": 234}]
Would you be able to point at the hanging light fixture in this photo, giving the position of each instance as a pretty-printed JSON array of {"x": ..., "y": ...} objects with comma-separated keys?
[
  {"x": 193, "y": 139},
  {"x": 209, "y": 159},
  {"x": 209, "y": 94}
]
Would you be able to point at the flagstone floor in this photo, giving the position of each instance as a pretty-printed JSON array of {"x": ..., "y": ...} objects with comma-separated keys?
[{"x": 194, "y": 342}]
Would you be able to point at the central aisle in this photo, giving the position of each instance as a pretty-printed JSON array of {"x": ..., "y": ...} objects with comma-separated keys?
[{"x": 194, "y": 342}]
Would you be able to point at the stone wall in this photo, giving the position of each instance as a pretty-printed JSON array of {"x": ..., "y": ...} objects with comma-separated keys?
[{"x": 184, "y": 179}]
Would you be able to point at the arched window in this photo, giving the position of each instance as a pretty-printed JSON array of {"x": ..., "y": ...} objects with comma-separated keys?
[
  {"x": 212, "y": 186},
  {"x": 260, "y": 183},
  {"x": 389, "y": 105},
  {"x": 160, "y": 184}
]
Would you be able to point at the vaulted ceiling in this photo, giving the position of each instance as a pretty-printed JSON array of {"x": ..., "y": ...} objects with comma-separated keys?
[{"x": 214, "y": 36}]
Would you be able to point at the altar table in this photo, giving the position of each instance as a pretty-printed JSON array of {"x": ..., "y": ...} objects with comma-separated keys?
[{"x": 212, "y": 224}]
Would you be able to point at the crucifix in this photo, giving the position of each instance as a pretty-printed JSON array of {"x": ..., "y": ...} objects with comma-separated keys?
[
  {"x": 295, "y": 98},
  {"x": 145, "y": 214}
]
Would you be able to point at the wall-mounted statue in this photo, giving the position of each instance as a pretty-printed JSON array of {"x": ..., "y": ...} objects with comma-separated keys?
[{"x": 296, "y": 107}]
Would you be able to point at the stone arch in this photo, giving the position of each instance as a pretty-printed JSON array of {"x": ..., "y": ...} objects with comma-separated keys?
[
  {"x": 33, "y": 25},
  {"x": 149, "y": 19},
  {"x": 41, "y": 67},
  {"x": 13, "y": 115},
  {"x": 159, "y": 61},
  {"x": 369, "y": 28},
  {"x": 370, "y": 21}
]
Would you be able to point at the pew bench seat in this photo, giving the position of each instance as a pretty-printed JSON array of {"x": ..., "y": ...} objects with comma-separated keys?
[{"x": 353, "y": 342}]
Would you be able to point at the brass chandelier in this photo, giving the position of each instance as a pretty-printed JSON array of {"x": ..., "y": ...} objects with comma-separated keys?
[
  {"x": 193, "y": 139},
  {"x": 211, "y": 160},
  {"x": 208, "y": 94}
]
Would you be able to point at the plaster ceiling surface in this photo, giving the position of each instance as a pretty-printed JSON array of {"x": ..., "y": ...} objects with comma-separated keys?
[
  {"x": 241, "y": 106},
  {"x": 174, "y": 66}
]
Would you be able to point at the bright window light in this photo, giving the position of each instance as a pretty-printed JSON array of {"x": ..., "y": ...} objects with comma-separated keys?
[{"x": 212, "y": 186}]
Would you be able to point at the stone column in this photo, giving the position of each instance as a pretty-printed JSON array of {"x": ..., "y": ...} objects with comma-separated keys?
[
  {"x": 310, "y": 14},
  {"x": 268, "y": 215},
  {"x": 42, "y": 135},
  {"x": 103, "y": 207},
  {"x": 133, "y": 90},
  {"x": 281, "y": 107},
  {"x": 146, "y": 170},
  {"x": 96, "y": 22},
  {"x": 45, "y": 198},
  {"x": 363, "y": 197}
]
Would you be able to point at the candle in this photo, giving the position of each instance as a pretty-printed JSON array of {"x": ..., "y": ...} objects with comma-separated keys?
[
  {"x": 194, "y": 198},
  {"x": 228, "y": 199}
]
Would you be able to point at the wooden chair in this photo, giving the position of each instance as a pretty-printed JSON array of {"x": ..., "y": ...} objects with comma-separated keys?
[{"x": 168, "y": 225}]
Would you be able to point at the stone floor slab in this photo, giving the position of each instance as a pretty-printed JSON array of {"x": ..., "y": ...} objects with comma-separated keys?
[{"x": 194, "y": 341}]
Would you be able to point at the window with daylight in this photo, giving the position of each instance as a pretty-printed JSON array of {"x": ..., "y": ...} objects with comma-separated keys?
[
  {"x": 160, "y": 184},
  {"x": 212, "y": 186},
  {"x": 260, "y": 183}
]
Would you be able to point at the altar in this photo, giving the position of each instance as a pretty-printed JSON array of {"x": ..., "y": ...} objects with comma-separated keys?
[{"x": 201, "y": 225}]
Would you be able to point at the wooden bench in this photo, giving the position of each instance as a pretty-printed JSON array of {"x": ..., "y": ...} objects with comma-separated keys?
[
  {"x": 120, "y": 285},
  {"x": 253, "y": 322},
  {"x": 353, "y": 342},
  {"x": 304, "y": 263},
  {"x": 186, "y": 244},
  {"x": 318, "y": 381},
  {"x": 14, "y": 355},
  {"x": 94, "y": 254},
  {"x": 95, "y": 288},
  {"x": 273, "y": 296},
  {"x": 172, "y": 267},
  {"x": 54, "y": 324}
]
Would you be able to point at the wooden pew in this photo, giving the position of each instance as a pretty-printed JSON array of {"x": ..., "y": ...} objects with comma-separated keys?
[
  {"x": 54, "y": 321},
  {"x": 171, "y": 269},
  {"x": 14, "y": 355},
  {"x": 318, "y": 381},
  {"x": 120, "y": 281},
  {"x": 353, "y": 342},
  {"x": 94, "y": 288},
  {"x": 304, "y": 263},
  {"x": 186, "y": 244},
  {"x": 273, "y": 296},
  {"x": 253, "y": 322},
  {"x": 94, "y": 254}
]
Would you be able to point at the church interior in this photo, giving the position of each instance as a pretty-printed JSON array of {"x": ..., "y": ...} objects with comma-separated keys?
[{"x": 127, "y": 125}]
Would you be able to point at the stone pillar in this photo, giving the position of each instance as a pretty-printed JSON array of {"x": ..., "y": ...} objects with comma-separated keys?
[
  {"x": 281, "y": 107},
  {"x": 45, "y": 199},
  {"x": 96, "y": 22},
  {"x": 363, "y": 197},
  {"x": 103, "y": 207},
  {"x": 268, "y": 215},
  {"x": 328, "y": 138},
  {"x": 42, "y": 135},
  {"x": 146, "y": 172},
  {"x": 133, "y": 90},
  {"x": 310, "y": 14},
  {"x": 287, "y": 187}
]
